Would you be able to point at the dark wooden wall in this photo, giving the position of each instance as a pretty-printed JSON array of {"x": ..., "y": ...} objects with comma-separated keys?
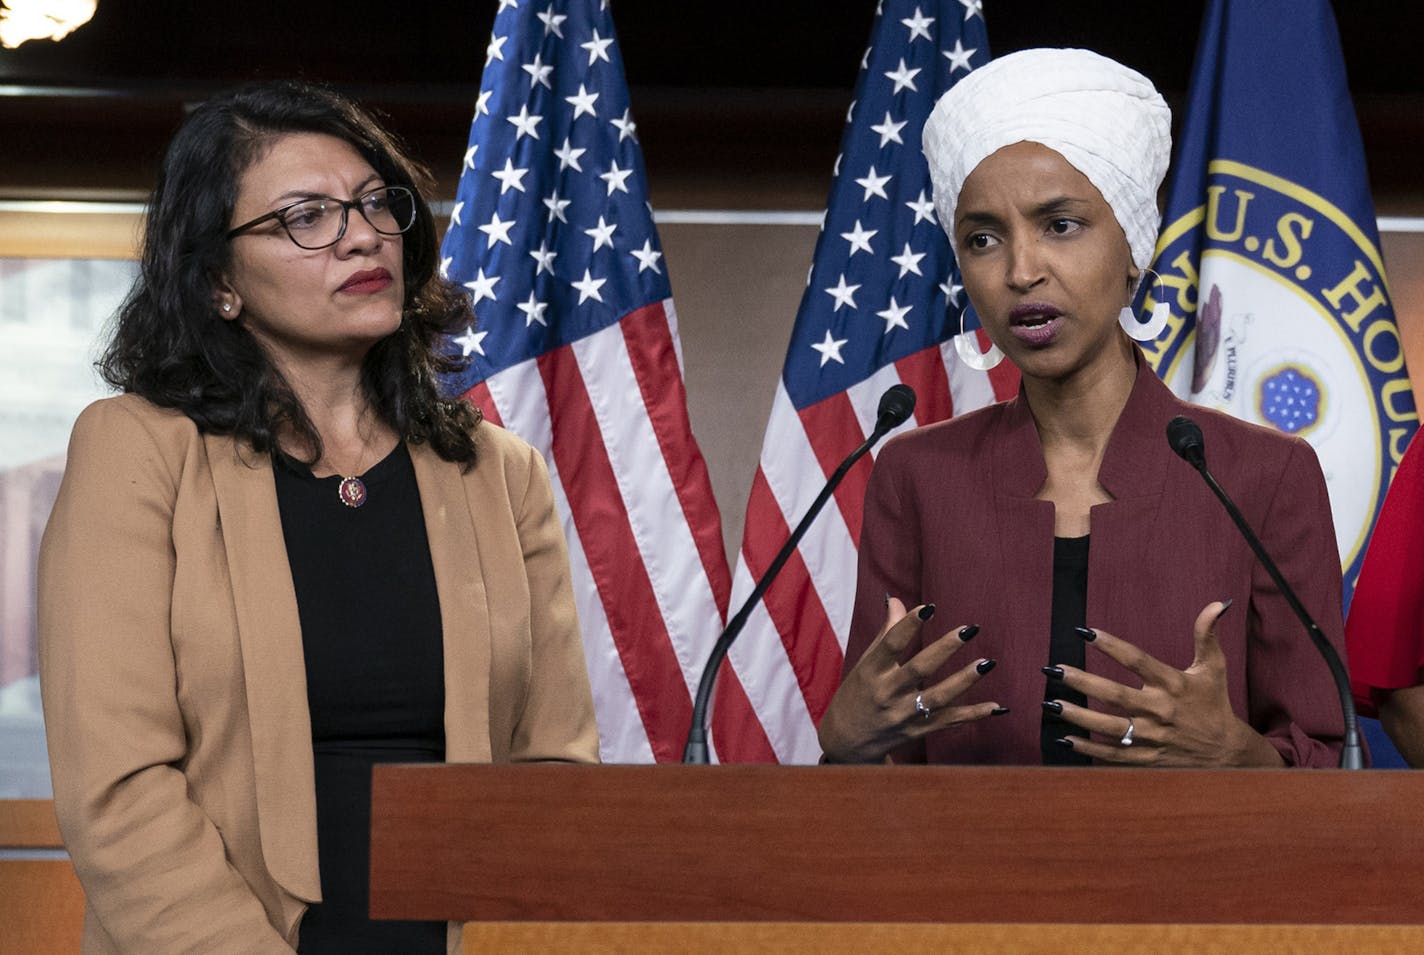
[{"x": 739, "y": 105}]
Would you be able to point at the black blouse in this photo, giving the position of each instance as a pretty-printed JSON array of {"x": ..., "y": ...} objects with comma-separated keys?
[
  {"x": 1066, "y": 648},
  {"x": 372, "y": 640}
]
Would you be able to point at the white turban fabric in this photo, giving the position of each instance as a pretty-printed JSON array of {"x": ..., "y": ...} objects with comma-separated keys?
[{"x": 1108, "y": 121}]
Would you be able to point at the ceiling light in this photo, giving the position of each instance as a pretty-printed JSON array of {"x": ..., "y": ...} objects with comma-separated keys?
[{"x": 22, "y": 20}]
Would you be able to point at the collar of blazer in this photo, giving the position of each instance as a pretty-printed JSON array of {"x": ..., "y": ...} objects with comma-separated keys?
[{"x": 1134, "y": 463}]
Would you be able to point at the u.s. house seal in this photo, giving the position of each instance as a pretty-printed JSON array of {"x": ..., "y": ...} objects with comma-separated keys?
[{"x": 1281, "y": 316}]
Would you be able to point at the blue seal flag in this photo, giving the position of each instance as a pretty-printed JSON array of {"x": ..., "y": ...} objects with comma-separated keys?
[{"x": 1269, "y": 256}]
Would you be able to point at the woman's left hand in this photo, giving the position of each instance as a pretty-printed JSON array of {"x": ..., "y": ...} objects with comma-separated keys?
[{"x": 1177, "y": 718}]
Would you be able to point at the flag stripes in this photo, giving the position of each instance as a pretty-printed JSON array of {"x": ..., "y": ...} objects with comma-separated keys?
[{"x": 574, "y": 348}]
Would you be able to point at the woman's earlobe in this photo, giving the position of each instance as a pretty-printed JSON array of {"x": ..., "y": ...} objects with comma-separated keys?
[
  {"x": 225, "y": 300},
  {"x": 228, "y": 306}
]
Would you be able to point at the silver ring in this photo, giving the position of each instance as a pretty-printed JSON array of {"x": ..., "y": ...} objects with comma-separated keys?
[
  {"x": 1127, "y": 737},
  {"x": 924, "y": 712}
]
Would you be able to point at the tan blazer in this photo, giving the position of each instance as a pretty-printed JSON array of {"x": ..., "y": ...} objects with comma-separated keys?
[{"x": 174, "y": 685}]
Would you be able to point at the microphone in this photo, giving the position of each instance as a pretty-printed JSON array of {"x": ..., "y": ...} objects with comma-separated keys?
[
  {"x": 894, "y": 409},
  {"x": 896, "y": 406},
  {"x": 1185, "y": 437}
]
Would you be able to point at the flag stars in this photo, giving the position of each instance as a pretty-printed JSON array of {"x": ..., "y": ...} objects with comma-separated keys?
[
  {"x": 470, "y": 156},
  {"x": 569, "y": 156},
  {"x": 533, "y": 311},
  {"x": 597, "y": 48},
  {"x": 552, "y": 22},
  {"x": 971, "y": 7},
  {"x": 471, "y": 342},
  {"x": 859, "y": 238},
  {"x": 497, "y": 230},
  {"x": 481, "y": 288},
  {"x": 557, "y": 206},
  {"x": 626, "y": 127},
  {"x": 923, "y": 209},
  {"x": 894, "y": 316},
  {"x": 543, "y": 259},
  {"x": 482, "y": 103},
  {"x": 616, "y": 178},
  {"x": 843, "y": 294},
  {"x": 919, "y": 26},
  {"x": 830, "y": 349},
  {"x": 525, "y": 124},
  {"x": 959, "y": 57},
  {"x": 908, "y": 261},
  {"x": 904, "y": 78},
  {"x": 495, "y": 50},
  {"x": 874, "y": 185},
  {"x": 509, "y": 177},
  {"x": 538, "y": 72},
  {"x": 890, "y": 131},
  {"x": 951, "y": 291},
  {"x": 458, "y": 208},
  {"x": 647, "y": 257},
  {"x": 588, "y": 287},
  {"x": 602, "y": 234},
  {"x": 445, "y": 264},
  {"x": 583, "y": 102}
]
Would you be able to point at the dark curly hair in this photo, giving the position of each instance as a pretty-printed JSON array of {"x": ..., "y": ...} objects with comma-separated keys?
[{"x": 168, "y": 343}]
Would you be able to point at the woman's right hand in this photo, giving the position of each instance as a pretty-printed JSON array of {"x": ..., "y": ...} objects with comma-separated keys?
[{"x": 875, "y": 710}]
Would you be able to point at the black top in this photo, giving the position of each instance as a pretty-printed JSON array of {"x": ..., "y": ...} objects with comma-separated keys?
[
  {"x": 1066, "y": 648},
  {"x": 372, "y": 640}
]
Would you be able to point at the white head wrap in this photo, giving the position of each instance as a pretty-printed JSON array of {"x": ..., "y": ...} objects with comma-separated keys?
[{"x": 1108, "y": 121}]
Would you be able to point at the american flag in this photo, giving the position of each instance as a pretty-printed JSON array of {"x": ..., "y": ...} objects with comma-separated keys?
[
  {"x": 882, "y": 305},
  {"x": 575, "y": 349}
]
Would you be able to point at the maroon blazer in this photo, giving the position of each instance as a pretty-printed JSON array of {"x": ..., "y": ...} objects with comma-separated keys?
[{"x": 951, "y": 519}]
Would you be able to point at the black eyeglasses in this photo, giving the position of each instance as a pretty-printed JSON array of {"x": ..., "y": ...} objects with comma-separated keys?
[{"x": 320, "y": 222}]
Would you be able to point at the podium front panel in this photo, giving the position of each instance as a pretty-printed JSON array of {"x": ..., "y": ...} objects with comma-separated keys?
[{"x": 549, "y": 843}]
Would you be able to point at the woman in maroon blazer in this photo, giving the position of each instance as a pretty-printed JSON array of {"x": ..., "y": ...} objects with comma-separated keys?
[{"x": 1116, "y": 614}]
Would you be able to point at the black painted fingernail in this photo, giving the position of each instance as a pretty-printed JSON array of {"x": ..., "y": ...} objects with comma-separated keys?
[
  {"x": 926, "y": 612},
  {"x": 1087, "y": 633},
  {"x": 887, "y": 598},
  {"x": 1053, "y": 673},
  {"x": 968, "y": 633},
  {"x": 998, "y": 711},
  {"x": 1224, "y": 607},
  {"x": 1063, "y": 741},
  {"x": 1053, "y": 706},
  {"x": 984, "y": 666}
]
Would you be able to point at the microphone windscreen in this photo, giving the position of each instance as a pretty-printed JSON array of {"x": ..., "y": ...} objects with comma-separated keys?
[
  {"x": 896, "y": 405},
  {"x": 1185, "y": 437}
]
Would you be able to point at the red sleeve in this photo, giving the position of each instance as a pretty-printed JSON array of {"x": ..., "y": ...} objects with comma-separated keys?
[
  {"x": 1384, "y": 633},
  {"x": 888, "y": 564}
]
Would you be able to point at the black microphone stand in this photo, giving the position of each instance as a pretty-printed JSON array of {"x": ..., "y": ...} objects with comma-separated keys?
[
  {"x": 1188, "y": 444},
  {"x": 695, "y": 751}
]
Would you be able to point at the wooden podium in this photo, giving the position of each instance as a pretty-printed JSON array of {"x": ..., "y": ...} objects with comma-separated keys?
[{"x": 912, "y": 855}]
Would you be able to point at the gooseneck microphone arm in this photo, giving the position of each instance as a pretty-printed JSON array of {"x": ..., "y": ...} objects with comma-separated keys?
[
  {"x": 895, "y": 407},
  {"x": 1185, "y": 437}
]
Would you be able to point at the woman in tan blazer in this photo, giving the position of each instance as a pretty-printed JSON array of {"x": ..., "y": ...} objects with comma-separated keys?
[{"x": 280, "y": 557}]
